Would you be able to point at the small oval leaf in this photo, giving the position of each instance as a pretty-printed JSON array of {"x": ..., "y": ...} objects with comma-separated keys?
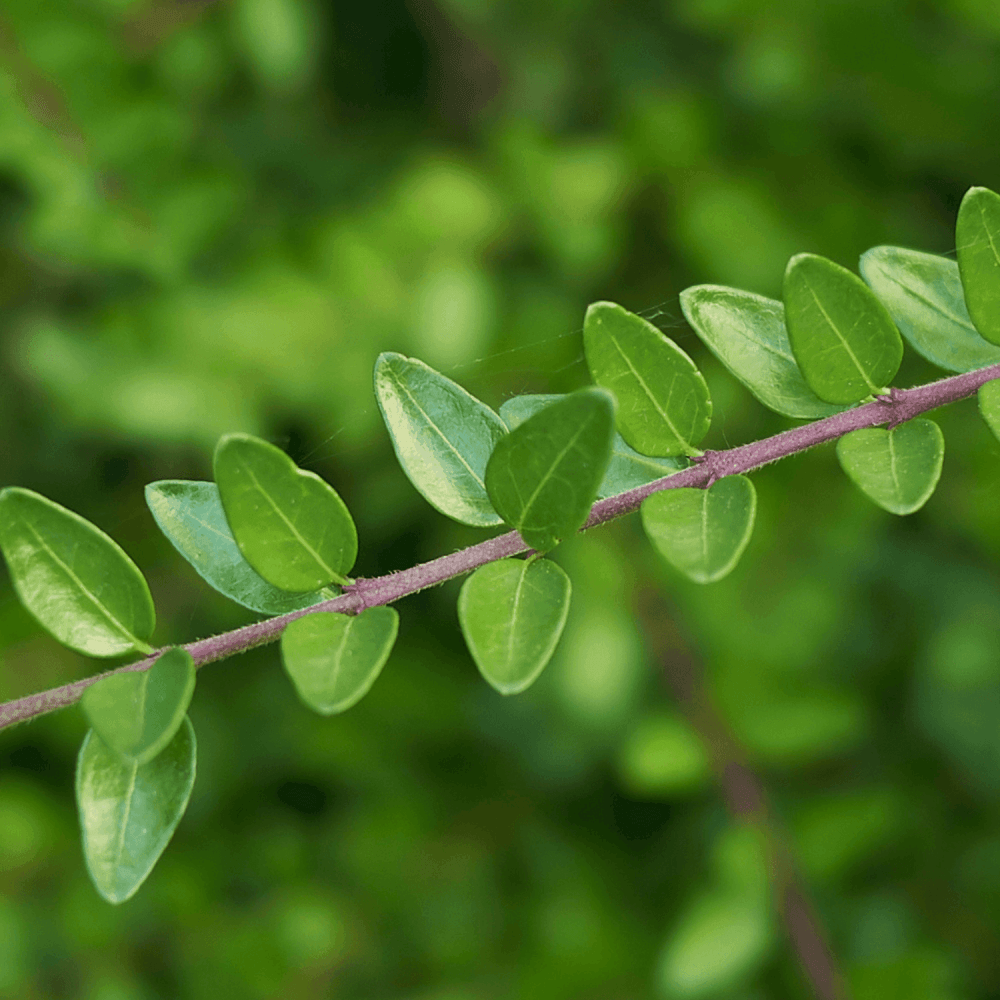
[
  {"x": 334, "y": 659},
  {"x": 842, "y": 337},
  {"x": 923, "y": 293},
  {"x": 543, "y": 477},
  {"x": 128, "y": 812},
  {"x": 663, "y": 402},
  {"x": 627, "y": 468},
  {"x": 512, "y": 613},
  {"x": 897, "y": 468},
  {"x": 977, "y": 238},
  {"x": 290, "y": 525},
  {"x": 73, "y": 578},
  {"x": 137, "y": 713},
  {"x": 746, "y": 332},
  {"x": 702, "y": 533},
  {"x": 989, "y": 405},
  {"x": 190, "y": 514},
  {"x": 442, "y": 435}
]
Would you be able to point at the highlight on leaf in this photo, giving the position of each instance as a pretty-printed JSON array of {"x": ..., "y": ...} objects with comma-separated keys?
[
  {"x": 442, "y": 435},
  {"x": 663, "y": 402},
  {"x": 512, "y": 613},
  {"x": 843, "y": 338},
  {"x": 977, "y": 242},
  {"x": 543, "y": 477},
  {"x": 290, "y": 525},
  {"x": 75, "y": 580}
]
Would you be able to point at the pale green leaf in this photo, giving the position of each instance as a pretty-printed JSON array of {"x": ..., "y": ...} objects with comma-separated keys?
[
  {"x": 73, "y": 578},
  {"x": 702, "y": 533},
  {"x": 897, "y": 468},
  {"x": 512, "y": 613},
  {"x": 977, "y": 239},
  {"x": 923, "y": 293},
  {"x": 334, "y": 659},
  {"x": 190, "y": 514},
  {"x": 663, "y": 402},
  {"x": 442, "y": 435},
  {"x": 746, "y": 332},
  {"x": 137, "y": 713},
  {"x": 128, "y": 812},
  {"x": 543, "y": 477},
  {"x": 989, "y": 405},
  {"x": 843, "y": 338},
  {"x": 290, "y": 525}
]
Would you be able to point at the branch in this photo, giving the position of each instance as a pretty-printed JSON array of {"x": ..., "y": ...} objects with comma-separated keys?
[{"x": 895, "y": 408}]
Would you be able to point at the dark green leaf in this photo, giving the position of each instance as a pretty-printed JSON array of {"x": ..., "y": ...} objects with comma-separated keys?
[
  {"x": 626, "y": 469},
  {"x": 334, "y": 659},
  {"x": 128, "y": 812},
  {"x": 977, "y": 238},
  {"x": 512, "y": 613},
  {"x": 702, "y": 533},
  {"x": 989, "y": 405},
  {"x": 746, "y": 332},
  {"x": 923, "y": 293},
  {"x": 73, "y": 578},
  {"x": 543, "y": 477},
  {"x": 290, "y": 525},
  {"x": 443, "y": 436},
  {"x": 897, "y": 468},
  {"x": 663, "y": 402},
  {"x": 136, "y": 713},
  {"x": 190, "y": 514},
  {"x": 843, "y": 338}
]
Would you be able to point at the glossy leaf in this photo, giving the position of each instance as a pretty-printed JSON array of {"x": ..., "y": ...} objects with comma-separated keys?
[
  {"x": 290, "y": 525},
  {"x": 663, "y": 402},
  {"x": 977, "y": 238},
  {"x": 989, "y": 405},
  {"x": 923, "y": 293},
  {"x": 128, "y": 812},
  {"x": 73, "y": 578},
  {"x": 190, "y": 514},
  {"x": 626, "y": 468},
  {"x": 746, "y": 332},
  {"x": 334, "y": 659},
  {"x": 702, "y": 533},
  {"x": 542, "y": 478},
  {"x": 842, "y": 337},
  {"x": 512, "y": 613},
  {"x": 897, "y": 468},
  {"x": 443, "y": 436},
  {"x": 137, "y": 713}
]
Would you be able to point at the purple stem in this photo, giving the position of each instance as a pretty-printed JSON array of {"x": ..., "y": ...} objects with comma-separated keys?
[{"x": 893, "y": 409}]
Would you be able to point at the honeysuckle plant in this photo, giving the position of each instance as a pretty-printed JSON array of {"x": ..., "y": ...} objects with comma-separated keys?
[{"x": 279, "y": 541}]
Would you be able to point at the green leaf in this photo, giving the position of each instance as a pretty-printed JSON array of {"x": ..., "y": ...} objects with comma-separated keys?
[
  {"x": 626, "y": 469},
  {"x": 663, "y": 402},
  {"x": 746, "y": 332},
  {"x": 334, "y": 659},
  {"x": 442, "y": 435},
  {"x": 290, "y": 525},
  {"x": 137, "y": 713},
  {"x": 73, "y": 578},
  {"x": 542, "y": 478},
  {"x": 190, "y": 514},
  {"x": 989, "y": 405},
  {"x": 841, "y": 335},
  {"x": 512, "y": 613},
  {"x": 702, "y": 533},
  {"x": 923, "y": 293},
  {"x": 128, "y": 812},
  {"x": 897, "y": 468},
  {"x": 977, "y": 238}
]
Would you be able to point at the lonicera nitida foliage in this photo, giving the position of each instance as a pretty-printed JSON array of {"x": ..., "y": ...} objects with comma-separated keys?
[{"x": 279, "y": 540}]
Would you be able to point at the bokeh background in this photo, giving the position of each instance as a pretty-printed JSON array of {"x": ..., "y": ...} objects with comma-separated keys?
[{"x": 214, "y": 216}]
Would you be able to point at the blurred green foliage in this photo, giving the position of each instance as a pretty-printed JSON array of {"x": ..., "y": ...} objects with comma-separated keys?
[{"x": 215, "y": 216}]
